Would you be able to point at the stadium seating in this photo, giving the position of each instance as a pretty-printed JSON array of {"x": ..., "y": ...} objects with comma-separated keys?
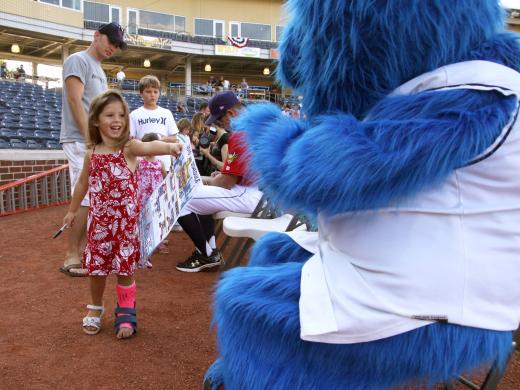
[
  {"x": 25, "y": 110},
  {"x": 30, "y": 116}
]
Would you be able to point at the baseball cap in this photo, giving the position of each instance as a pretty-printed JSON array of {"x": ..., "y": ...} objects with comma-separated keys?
[
  {"x": 219, "y": 104},
  {"x": 114, "y": 33}
]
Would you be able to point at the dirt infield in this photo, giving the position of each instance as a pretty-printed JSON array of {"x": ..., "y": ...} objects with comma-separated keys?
[{"x": 42, "y": 345}]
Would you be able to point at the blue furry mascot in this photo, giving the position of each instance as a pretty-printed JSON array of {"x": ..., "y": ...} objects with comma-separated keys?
[{"x": 409, "y": 158}]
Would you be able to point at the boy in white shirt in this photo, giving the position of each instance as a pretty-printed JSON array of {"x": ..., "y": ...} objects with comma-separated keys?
[{"x": 151, "y": 118}]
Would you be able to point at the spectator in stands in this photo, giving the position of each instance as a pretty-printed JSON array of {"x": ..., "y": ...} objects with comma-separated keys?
[
  {"x": 295, "y": 111},
  {"x": 204, "y": 108},
  {"x": 151, "y": 118},
  {"x": 243, "y": 87},
  {"x": 20, "y": 73},
  {"x": 83, "y": 79},
  {"x": 211, "y": 85},
  {"x": 286, "y": 110},
  {"x": 3, "y": 70},
  {"x": 212, "y": 82},
  {"x": 120, "y": 77},
  {"x": 231, "y": 190},
  {"x": 181, "y": 107},
  {"x": 219, "y": 86},
  {"x": 225, "y": 84}
]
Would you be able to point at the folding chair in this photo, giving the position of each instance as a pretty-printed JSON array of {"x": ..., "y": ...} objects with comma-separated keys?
[
  {"x": 263, "y": 209},
  {"x": 251, "y": 229},
  {"x": 219, "y": 218}
]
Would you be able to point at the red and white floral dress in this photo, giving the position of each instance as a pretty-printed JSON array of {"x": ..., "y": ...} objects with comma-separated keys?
[
  {"x": 113, "y": 245},
  {"x": 150, "y": 177}
]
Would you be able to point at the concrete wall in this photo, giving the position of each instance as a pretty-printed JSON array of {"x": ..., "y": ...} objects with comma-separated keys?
[
  {"x": 252, "y": 11},
  {"x": 43, "y": 12}
]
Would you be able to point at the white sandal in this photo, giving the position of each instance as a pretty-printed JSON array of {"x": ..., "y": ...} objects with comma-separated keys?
[{"x": 93, "y": 322}]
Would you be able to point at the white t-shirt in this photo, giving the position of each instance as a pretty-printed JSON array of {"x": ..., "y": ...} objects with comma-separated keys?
[
  {"x": 159, "y": 121},
  {"x": 448, "y": 254}
]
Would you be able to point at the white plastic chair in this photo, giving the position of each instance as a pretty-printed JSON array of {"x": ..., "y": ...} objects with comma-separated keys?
[
  {"x": 219, "y": 218},
  {"x": 253, "y": 229}
]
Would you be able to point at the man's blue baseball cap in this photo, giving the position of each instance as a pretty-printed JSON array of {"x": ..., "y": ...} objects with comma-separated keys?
[{"x": 219, "y": 104}]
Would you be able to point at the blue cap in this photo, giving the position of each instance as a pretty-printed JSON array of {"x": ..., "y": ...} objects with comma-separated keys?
[
  {"x": 219, "y": 104},
  {"x": 115, "y": 34}
]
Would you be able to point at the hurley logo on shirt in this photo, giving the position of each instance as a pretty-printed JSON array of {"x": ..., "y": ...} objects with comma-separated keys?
[{"x": 159, "y": 121}]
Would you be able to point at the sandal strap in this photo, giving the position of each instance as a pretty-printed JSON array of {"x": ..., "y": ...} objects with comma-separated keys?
[
  {"x": 126, "y": 310},
  {"x": 94, "y": 307},
  {"x": 94, "y": 322},
  {"x": 126, "y": 319}
]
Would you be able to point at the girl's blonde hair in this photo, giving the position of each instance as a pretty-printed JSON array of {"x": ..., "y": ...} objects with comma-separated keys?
[
  {"x": 96, "y": 108},
  {"x": 197, "y": 122}
]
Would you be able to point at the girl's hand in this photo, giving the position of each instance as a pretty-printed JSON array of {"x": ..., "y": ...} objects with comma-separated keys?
[
  {"x": 69, "y": 219},
  {"x": 204, "y": 151},
  {"x": 215, "y": 173},
  {"x": 175, "y": 149}
]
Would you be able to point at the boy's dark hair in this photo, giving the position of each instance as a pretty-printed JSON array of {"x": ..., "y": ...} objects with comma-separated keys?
[
  {"x": 203, "y": 106},
  {"x": 149, "y": 81},
  {"x": 149, "y": 137}
]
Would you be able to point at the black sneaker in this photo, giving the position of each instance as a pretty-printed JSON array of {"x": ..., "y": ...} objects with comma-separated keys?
[
  {"x": 216, "y": 257},
  {"x": 197, "y": 262}
]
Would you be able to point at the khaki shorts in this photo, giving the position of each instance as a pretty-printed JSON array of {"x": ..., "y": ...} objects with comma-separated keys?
[{"x": 75, "y": 153}]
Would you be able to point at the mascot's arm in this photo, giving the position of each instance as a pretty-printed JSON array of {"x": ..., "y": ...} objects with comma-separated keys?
[{"x": 338, "y": 164}]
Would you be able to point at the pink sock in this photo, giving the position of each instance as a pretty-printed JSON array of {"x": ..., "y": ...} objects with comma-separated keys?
[{"x": 126, "y": 298}]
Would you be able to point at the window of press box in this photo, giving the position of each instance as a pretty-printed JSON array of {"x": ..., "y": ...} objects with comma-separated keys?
[
  {"x": 72, "y": 4},
  {"x": 161, "y": 22},
  {"x": 260, "y": 32}
]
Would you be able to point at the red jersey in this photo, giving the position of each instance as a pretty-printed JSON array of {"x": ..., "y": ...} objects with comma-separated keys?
[{"x": 237, "y": 162}]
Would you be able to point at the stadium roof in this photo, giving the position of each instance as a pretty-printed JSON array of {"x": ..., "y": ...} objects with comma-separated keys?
[{"x": 46, "y": 48}]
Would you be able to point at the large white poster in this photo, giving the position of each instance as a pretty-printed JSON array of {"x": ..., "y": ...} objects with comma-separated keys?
[{"x": 165, "y": 204}]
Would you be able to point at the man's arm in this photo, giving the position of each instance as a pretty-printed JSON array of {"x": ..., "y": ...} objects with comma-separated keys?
[
  {"x": 223, "y": 180},
  {"x": 75, "y": 90}
]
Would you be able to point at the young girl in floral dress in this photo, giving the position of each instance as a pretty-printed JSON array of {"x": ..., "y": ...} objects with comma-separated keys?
[
  {"x": 151, "y": 174},
  {"x": 109, "y": 174}
]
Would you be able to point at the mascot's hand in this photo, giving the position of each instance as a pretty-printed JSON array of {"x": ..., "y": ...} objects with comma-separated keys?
[{"x": 269, "y": 133}]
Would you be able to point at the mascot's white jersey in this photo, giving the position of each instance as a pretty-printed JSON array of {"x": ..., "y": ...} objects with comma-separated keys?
[{"x": 450, "y": 254}]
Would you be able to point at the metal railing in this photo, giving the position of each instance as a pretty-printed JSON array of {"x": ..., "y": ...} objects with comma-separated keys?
[{"x": 45, "y": 189}]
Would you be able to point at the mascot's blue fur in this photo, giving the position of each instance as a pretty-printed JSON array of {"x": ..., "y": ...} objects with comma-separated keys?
[{"x": 359, "y": 148}]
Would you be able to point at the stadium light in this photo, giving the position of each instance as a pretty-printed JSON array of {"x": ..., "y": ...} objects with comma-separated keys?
[
  {"x": 207, "y": 68},
  {"x": 147, "y": 63},
  {"x": 266, "y": 71},
  {"x": 15, "y": 48}
]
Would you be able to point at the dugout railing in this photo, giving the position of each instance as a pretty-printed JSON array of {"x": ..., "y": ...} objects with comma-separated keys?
[{"x": 45, "y": 189}]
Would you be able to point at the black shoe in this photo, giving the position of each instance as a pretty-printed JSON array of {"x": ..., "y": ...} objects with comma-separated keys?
[
  {"x": 216, "y": 257},
  {"x": 197, "y": 262}
]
